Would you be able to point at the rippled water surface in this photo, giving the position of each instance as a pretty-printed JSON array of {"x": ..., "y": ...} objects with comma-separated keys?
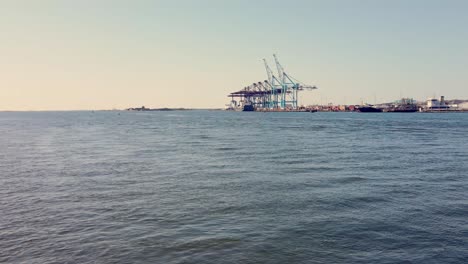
[{"x": 227, "y": 187}]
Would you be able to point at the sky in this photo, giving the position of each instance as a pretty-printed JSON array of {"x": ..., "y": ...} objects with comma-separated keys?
[{"x": 112, "y": 54}]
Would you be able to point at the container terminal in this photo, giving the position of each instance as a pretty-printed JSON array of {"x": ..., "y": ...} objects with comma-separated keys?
[{"x": 279, "y": 93}]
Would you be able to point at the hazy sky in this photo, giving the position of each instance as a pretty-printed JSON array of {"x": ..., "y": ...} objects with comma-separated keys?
[{"x": 97, "y": 54}]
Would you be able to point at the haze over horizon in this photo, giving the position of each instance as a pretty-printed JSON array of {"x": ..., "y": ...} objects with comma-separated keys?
[{"x": 76, "y": 55}]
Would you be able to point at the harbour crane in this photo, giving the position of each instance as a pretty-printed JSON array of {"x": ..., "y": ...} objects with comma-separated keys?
[
  {"x": 290, "y": 87},
  {"x": 278, "y": 93},
  {"x": 274, "y": 84}
]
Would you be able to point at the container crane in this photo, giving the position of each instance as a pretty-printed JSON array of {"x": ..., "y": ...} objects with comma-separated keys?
[{"x": 278, "y": 93}]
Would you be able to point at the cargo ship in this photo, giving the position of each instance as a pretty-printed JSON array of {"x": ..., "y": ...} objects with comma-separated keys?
[
  {"x": 243, "y": 105},
  {"x": 368, "y": 109}
]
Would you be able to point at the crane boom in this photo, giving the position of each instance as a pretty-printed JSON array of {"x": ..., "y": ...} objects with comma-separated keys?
[
  {"x": 279, "y": 68},
  {"x": 269, "y": 71}
]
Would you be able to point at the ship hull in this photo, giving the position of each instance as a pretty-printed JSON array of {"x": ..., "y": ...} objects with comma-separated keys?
[
  {"x": 248, "y": 108},
  {"x": 402, "y": 111},
  {"x": 368, "y": 109}
]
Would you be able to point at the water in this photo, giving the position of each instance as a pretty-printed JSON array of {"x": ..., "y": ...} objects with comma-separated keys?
[{"x": 226, "y": 187}]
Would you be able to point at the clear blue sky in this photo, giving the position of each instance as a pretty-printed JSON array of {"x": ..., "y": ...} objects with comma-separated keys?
[{"x": 115, "y": 54}]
